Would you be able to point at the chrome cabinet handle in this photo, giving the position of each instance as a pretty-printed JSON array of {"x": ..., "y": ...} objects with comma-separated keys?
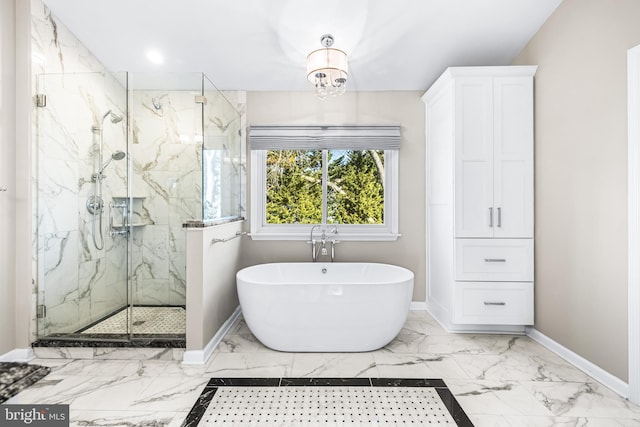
[
  {"x": 499, "y": 217},
  {"x": 495, "y": 260},
  {"x": 495, "y": 303},
  {"x": 490, "y": 217}
]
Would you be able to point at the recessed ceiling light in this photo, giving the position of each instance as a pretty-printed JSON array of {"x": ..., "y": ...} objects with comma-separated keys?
[{"x": 155, "y": 56}]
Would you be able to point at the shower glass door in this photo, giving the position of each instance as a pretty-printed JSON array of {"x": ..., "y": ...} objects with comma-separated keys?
[
  {"x": 166, "y": 133},
  {"x": 82, "y": 194}
]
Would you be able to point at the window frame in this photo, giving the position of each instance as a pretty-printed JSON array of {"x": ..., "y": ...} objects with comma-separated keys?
[{"x": 260, "y": 230}]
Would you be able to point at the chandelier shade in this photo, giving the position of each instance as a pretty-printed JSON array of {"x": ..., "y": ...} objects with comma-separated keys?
[{"x": 327, "y": 69}]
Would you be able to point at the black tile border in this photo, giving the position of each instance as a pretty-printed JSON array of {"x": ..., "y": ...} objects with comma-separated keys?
[
  {"x": 200, "y": 407},
  {"x": 156, "y": 341}
]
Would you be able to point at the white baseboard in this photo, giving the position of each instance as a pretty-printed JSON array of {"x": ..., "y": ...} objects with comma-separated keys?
[
  {"x": 418, "y": 306},
  {"x": 200, "y": 357},
  {"x": 18, "y": 355},
  {"x": 594, "y": 371}
]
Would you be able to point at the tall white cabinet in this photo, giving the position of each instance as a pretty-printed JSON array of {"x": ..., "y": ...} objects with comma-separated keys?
[{"x": 479, "y": 136}]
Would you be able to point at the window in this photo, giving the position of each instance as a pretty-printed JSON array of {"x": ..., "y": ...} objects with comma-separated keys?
[{"x": 333, "y": 176}]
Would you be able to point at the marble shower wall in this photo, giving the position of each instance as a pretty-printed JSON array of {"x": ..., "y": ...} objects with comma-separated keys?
[{"x": 166, "y": 136}]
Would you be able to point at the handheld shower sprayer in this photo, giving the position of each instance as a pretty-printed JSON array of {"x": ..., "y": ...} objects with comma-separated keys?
[{"x": 118, "y": 155}]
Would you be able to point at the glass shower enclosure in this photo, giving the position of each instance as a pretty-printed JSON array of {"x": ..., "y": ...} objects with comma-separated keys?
[{"x": 123, "y": 161}]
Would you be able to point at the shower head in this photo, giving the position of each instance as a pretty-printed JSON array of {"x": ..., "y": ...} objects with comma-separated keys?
[
  {"x": 118, "y": 155},
  {"x": 115, "y": 118}
]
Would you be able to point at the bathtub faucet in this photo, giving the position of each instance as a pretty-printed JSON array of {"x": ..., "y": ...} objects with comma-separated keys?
[
  {"x": 320, "y": 247},
  {"x": 333, "y": 243},
  {"x": 314, "y": 252}
]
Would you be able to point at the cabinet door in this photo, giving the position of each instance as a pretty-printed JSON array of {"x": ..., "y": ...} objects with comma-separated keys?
[
  {"x": 513, "y": 156},
  {"x": 474, "y": 157}
]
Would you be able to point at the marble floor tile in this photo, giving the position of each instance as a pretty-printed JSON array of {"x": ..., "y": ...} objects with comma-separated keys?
[
  {"x": 518, "y": 367},
  {"x": 564, "y": 422},
  {"x": 455, "y": 344},
  {"x": 96, "y": 367},
  {"x": 489, "y": 397},
  {"x": 169, "y": 368},
  {"x": 588, "y": 400},
  {"x": 240, "y": 343},
  {"x": 239, "y": 327},
  {"x": 417, "y": 366},
  {"x": 126, "y": 418},
  {"x": 169, "y": 394},
  {"x": 336, "y": 365},
  {"x": 245, "y": 365},
  {"x": 408, "y": 341},
  {"x": 80, "y": 392},
  {"x": 481, "y": 420}
]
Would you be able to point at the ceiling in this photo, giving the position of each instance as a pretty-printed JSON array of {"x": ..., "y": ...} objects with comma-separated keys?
[{"x": 261, "y": 45}]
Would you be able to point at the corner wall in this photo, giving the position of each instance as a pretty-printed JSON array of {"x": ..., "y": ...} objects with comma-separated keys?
[
  {"x": 405, "y": 108},
  {"x": 211, "y": 281},
  {"x": 7, "y": 175},
  {"x": 581, "y": 177}
]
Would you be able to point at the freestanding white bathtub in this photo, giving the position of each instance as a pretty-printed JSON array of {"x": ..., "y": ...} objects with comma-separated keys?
[{"x": 325, "y": 307}]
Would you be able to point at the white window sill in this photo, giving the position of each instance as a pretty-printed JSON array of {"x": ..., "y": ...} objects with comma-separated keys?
[{"x": 340, "y": 237}]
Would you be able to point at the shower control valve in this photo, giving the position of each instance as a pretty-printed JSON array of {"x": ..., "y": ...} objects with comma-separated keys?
[{"x": 95, "y": 205}]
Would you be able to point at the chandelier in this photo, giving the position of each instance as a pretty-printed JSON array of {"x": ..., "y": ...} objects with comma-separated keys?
[{"x": 327, "y": 69}]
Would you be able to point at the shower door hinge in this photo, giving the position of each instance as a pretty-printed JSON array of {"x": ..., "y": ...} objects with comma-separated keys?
[
  {"x": 41, "y": 311},
  {"x": 201, "y": 99},
  {"x": 41, "y": 100}
]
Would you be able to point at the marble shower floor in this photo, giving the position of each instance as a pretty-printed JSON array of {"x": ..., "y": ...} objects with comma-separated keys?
[
  {"x": 146, "y": 320},
  {"x": 498, "y": 380}
]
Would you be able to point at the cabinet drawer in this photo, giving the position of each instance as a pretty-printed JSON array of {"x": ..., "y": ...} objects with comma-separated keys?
[
  {"x": 493, "y": 303},
  {"x": 496, "y": 260}
]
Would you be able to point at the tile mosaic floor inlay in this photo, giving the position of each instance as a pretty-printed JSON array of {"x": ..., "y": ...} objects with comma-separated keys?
[
  {"x": 146, "y": 320},
  {"x": 325, "y": 401},
  {"x": 15, "y": 377}
]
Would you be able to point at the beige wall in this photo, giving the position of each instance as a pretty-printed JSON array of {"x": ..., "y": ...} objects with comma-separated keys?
[
  {"x": 7, "y": 175},
  {"x": 405, "y": 108},
  {"x": 211, "y": 281},
  {"x": 581, "y": 176},
  {"x": 15, "y": 245}
]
